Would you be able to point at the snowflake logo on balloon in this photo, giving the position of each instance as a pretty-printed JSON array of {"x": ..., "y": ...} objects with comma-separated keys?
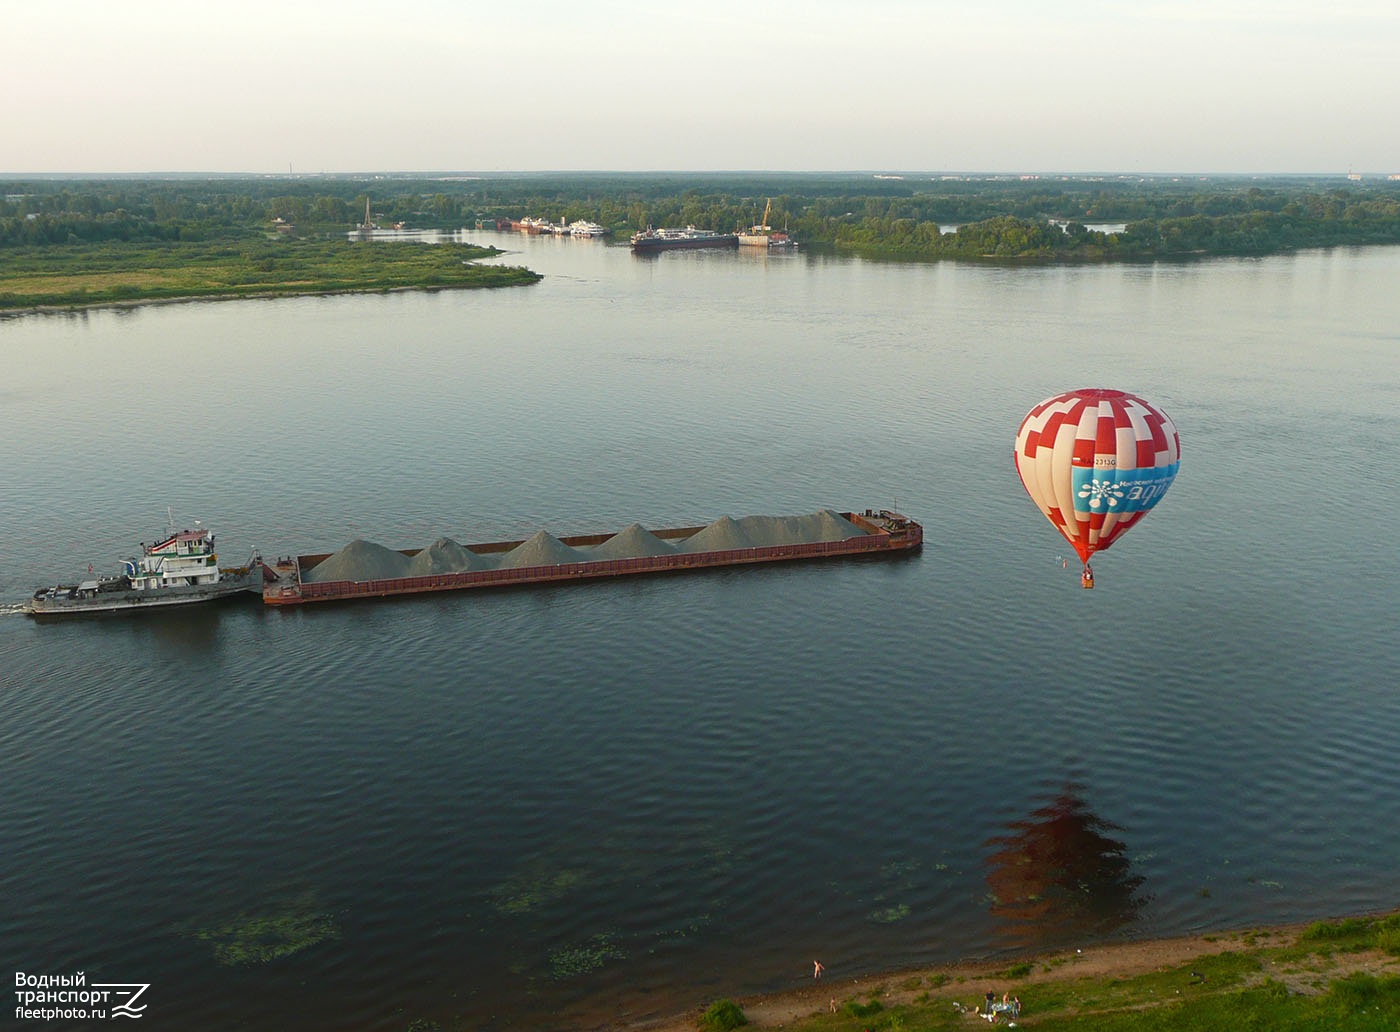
[{"x": 1101, "y": 492}]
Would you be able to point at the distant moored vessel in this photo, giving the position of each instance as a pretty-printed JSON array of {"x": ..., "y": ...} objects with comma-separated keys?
[
  {"x": 763, "y": 235},
  {"x": 672, "y": 239}
]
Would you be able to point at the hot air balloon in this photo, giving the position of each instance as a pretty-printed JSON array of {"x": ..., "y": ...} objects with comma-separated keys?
[{"x": 1096, "y": 461}]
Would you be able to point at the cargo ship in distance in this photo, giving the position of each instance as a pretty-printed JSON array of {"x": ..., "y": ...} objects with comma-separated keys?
[
  {"x": 664, "y": 239},
  {"x": 365, "y": 570},
  {"x": 180, "y": 569}
]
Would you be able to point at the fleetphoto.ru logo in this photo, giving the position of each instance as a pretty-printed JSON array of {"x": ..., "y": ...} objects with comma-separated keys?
[{"x": 74, "y": 998}]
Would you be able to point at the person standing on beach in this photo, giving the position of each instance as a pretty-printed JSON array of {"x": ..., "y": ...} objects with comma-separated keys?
[{"x": 817, "y": 969}]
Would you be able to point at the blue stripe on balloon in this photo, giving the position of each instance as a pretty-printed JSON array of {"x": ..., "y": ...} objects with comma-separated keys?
[{"x": 1120, "y": 490}]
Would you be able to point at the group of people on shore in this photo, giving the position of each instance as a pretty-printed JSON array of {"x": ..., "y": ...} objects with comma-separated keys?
[{"x": 1009, "y": 1007}]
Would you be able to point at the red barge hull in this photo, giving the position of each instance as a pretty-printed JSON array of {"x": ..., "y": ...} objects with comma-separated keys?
[{"x": 885, "y": 533}]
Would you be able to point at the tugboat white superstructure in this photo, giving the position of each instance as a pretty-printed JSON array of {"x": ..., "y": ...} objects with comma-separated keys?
[{"x": 180, "y": 569}]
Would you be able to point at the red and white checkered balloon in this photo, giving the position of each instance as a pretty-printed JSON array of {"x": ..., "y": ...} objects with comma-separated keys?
[{"x": 1095, "y": 461}]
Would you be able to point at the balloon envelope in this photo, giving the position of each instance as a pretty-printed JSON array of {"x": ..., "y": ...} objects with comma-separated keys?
[{"x": 1096, "y": 461}]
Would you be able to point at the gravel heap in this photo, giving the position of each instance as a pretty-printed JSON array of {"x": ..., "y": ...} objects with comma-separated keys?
[
  {"x": 360, "y": 561},
  {"x": 544, "y": 549},
  {"x": 446, "y": 556},
  {"x": 769, "y": 531},
  {"x": 632, "y": 543},
  {"x": 365, "y": 561}
]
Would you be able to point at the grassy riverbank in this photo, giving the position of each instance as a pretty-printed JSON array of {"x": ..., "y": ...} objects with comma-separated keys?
[
  {"x": 1342, "y": 975},
  {"x": 83, "y": 274}
]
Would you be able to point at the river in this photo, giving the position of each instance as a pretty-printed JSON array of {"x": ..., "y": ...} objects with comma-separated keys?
[{"x": 523, "y": 808}]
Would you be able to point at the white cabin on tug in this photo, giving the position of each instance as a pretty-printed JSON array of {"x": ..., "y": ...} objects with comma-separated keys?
[{"x": 186, "y": 557}]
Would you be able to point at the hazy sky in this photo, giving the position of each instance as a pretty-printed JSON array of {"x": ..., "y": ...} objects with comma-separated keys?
[{"x": 892, "y": 85}]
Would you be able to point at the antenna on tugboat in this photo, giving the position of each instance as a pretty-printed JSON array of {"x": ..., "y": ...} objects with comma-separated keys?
[{"x": 170, "y": 515}]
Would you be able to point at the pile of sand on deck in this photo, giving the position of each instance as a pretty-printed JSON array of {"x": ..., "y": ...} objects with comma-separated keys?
[
  {"x": 446, "y": 556},
  {"x": 366, "y": 561},
  {"x": 728, "y": 533},
  {"x": 359, "y": 561},
  {"x": 544, "y": 549},
  {"x": 632, "y": 543}
]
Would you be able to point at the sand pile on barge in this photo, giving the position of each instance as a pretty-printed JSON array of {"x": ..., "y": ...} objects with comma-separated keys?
[
  {"x": 446, "y": 556},
  {"x": 359, "y": 561},
  {"x": 366, "y": 561},
  {"x": 722, "y": 535},
  {"x": 727, "y": 533},
  {"x": 632, "y": 543},
  {"x": 544, "y": 549}
]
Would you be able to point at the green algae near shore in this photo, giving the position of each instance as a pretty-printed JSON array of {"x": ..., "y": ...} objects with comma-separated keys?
[
  {"x": 572, "y": 961},
  {"x": 282, "y": 930},
  {"x": 529, "y": 890}
]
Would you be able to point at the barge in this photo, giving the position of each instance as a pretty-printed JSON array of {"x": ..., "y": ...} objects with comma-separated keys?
[
  {"x": 295, "y": 580},
  {"x": 763, "y": 235},
  {"x": 666, "y": 239}
]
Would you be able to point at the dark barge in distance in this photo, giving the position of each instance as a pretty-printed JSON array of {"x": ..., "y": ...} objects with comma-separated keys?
[
  {"x": 665, "y": 239},
  {"x": 295, "y": 580}
]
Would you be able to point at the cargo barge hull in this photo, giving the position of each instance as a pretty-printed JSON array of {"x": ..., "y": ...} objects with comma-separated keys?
[{"x": 884, "y": 532}]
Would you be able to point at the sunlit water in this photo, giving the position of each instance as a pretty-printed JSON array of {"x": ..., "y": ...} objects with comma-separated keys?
[{"x": 520, "y": 808}]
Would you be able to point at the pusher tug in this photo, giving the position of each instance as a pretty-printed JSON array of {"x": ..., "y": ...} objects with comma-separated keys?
[{"x": 180, "y": 569}]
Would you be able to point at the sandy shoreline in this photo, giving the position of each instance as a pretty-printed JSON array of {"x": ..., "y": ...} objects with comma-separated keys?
[{"x": 966, "y": 982}]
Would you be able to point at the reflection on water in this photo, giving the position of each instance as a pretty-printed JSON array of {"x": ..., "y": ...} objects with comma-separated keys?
[
  {"x": 1059, "y": 876},
  {"x": 414, "y": 236}
]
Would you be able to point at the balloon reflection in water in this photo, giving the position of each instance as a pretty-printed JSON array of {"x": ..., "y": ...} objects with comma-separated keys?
[{"x": 1059, "y": 877}]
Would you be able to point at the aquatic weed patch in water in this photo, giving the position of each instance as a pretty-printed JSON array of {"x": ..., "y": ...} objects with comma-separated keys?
[
  {"x": 573, "y": 961},
  {"x": 530, "y": 890},
  {"x": 262, "y": 938},
  {"x": 891, "y": 914}
]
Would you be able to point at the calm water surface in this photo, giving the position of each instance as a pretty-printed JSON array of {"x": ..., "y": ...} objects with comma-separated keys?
[{"x": 519, "y": 809}]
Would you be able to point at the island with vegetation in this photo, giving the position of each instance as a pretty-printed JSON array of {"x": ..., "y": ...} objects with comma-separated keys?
[
  {"x": 70, "y": 245},
  {"x": 76, "y": 242}
]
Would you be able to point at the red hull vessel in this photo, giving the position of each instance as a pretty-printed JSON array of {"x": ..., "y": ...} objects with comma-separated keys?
[{"x": 882, "y": 532}]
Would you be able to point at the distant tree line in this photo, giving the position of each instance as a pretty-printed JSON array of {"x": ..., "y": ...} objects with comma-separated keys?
[{"x": 912, "y": 218}]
